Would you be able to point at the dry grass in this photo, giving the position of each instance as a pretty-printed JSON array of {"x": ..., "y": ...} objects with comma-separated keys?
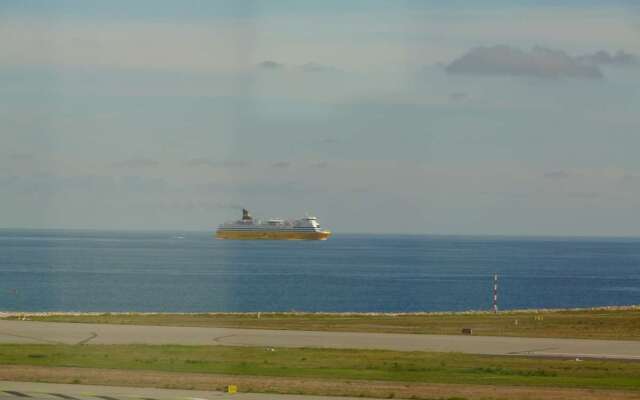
[{"x": 599, "y": 323}]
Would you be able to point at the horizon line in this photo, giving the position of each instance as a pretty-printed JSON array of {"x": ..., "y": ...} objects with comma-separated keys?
[{"x": 350, "y": 233}]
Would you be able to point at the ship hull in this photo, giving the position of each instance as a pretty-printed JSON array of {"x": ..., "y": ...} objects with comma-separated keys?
[{"x": 271, "y": 235}]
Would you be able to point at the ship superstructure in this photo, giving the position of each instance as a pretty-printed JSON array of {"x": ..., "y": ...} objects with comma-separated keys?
[{"x": 306, "y": 228}]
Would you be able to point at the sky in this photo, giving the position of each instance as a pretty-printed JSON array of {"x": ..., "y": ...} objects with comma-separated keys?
[{"x": 421, "y": 117}]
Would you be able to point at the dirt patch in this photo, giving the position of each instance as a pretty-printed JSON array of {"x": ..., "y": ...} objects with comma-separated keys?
[{"x": 171, "y": 380}]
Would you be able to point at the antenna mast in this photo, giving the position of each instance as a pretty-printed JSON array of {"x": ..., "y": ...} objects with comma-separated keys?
[{"x": 495, "y": 293}]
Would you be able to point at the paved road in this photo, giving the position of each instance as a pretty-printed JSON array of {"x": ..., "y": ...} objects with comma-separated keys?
[
  {"x": 72, "y": 333},
  {"x": 55, "y": 391}
]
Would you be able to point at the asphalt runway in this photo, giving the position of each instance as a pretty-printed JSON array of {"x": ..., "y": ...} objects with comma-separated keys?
[
  {"x": 56, "y": 391},
  {"x": 73, "y": 333}
]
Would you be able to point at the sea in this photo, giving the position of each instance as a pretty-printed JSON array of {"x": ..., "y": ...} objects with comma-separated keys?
[{"x": 56, "y": 270}]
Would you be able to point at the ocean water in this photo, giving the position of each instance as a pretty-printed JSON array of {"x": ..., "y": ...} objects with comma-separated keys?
[{"x": 192, "y": 272}]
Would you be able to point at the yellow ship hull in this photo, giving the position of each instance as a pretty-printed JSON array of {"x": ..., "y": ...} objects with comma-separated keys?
[{"x": 271, "y": 235}]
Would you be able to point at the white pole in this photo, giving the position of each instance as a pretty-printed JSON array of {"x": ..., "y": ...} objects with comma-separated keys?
[{"x": 495, "y": 293}]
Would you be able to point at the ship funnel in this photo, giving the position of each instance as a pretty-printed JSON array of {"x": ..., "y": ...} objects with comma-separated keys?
[{"x": 245, "y": 215}]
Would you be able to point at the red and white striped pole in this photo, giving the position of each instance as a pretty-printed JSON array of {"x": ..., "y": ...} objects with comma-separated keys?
[{"x": 495, "y": 293}]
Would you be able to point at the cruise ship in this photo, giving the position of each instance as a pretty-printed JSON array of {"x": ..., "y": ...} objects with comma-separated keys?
[{"x": 247, "y": 228}]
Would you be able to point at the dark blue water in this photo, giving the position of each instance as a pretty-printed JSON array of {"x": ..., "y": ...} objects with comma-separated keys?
[{"x": 120, "y": 271}]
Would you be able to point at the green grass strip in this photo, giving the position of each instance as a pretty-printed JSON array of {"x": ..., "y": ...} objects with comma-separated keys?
[{"x": 334, "y": 363}]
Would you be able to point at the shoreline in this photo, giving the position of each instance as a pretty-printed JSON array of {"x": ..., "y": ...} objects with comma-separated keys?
[{"x": 12, "y": 314}]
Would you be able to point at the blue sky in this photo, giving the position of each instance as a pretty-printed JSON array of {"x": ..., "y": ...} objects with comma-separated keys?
[{"x": 413, "y": 117}]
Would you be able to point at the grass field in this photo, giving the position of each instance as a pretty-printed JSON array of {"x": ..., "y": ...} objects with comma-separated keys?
[
  {"x": 374, "y": 365},
  {"x": 593, "y": 324}
]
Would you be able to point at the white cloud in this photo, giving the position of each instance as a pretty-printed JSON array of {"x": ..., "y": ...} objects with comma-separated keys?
[
  {"x": 271, "y": 65},
  {"x": 422, "y": 35},
  {"x": 20, "y": 157},
  {"x": 539, "y": 62},
  {"x": 316, "y": 67},
  {"x": 321, "y": 164},
  {"x": 459, "y": 97},
  {"x": 556, "y": 174},
  {"x": 281, "y": 164},
  {"x": 602, "y": 57},
  {"x": 224, "y": 45},
  {"x": 136, "y": 163},
  {"x": 207, "y": 162}
]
